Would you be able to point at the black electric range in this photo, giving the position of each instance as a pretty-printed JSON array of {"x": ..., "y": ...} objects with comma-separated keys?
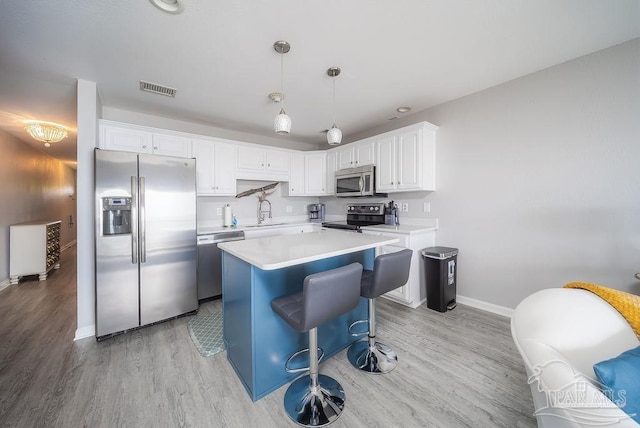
[{"x": 358, "y": 216}]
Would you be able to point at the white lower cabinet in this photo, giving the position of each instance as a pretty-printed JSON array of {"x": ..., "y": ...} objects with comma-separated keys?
[{"x": 413, "y": 293}]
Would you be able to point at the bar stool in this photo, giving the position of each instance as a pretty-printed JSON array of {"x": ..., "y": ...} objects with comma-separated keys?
[
  {"x": 317, "y": 400},
  {"x": 390, "y": 271}
]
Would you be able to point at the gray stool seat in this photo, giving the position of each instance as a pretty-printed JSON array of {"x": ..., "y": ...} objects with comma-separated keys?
[
  {"x": 317, "y": 400},
  {"x": 390, "y": 271}
]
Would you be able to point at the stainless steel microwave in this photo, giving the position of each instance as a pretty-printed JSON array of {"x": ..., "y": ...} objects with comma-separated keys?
[{"x": 356, "y": 181}]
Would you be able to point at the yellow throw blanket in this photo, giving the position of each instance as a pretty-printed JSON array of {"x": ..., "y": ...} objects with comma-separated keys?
[{"x": 627, "y": 304}]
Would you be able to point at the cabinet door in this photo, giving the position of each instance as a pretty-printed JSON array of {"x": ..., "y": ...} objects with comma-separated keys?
[
  {"x": 315, "y": 174},
  {"x": 296, "y": 175},
  {"x": 386, "y": 170},
  {"x": 203, "y": 152},
  {"x": 170, "y": 145},
  {"x": 346, "y": 158},
  {"x": 332, "y": 166},
  {"x": 251, "y": 158},
  {"x": 364, "y": 153},
  {"x": 277, "y": 161},
  {"x": 224, "y": 171},
  {"x": 409, "y": 161},
  {"x": 126, "y": 139}
]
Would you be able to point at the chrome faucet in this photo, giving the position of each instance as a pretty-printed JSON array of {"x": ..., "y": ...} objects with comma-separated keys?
[{"x": 261, "y": 212}]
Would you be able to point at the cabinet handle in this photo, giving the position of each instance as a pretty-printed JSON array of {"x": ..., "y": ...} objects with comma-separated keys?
[
  {"x": 155, "y": 148},
  {"x": 144, "y": 147},
  {"x": 261, "y": 164}
]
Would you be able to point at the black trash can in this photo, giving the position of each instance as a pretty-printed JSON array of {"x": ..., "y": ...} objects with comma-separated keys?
[{"x": 440, "y": 277}]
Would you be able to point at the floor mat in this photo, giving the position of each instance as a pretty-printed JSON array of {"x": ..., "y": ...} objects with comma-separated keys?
[{"x": 206, "y": 333}]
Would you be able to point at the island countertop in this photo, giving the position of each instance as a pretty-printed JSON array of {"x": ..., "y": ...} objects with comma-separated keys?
[{"x": 276, "y": 252}]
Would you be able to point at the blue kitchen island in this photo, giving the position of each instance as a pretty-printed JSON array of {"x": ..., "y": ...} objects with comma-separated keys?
[{"x": 256, "y": 271}]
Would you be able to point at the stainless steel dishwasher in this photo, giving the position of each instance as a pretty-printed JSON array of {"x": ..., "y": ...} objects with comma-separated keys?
[{"x": 210, "y": 262}]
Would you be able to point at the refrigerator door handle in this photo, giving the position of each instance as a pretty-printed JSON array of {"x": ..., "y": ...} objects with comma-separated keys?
[
  {"x": 134, "y": 222},
  {"x": 143, "y": 220}
]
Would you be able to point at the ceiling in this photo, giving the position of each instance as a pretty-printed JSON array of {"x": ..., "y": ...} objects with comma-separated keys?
[{"x": 219, "y": 56}]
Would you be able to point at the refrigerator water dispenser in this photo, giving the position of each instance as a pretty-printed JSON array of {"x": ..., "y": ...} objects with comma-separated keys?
[{"x": 116, "y": 216}]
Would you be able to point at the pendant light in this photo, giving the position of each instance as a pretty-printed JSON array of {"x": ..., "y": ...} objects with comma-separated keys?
[
  {"x": 282, "y": 122},
  {"x": 334, "y": 135}
]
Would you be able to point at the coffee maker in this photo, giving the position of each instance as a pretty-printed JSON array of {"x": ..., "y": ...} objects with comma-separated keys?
[{"x": 316, "y": 212}]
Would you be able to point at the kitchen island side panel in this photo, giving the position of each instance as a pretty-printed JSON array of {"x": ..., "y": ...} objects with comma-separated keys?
[
  {"x": 236, "y": 315},
  {"x": 269, "y": 340}
]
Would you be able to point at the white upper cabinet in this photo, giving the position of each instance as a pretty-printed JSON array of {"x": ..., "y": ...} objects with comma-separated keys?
[
  {"x": 296, "y": 175},
  {"x": 262, "y": 163},
  {"x": 125, "y": 138},
  {"x": 215, "y": 168},
  {"x": 315, "y": 180},
  {"x": 171, "y": 145},
  {"x": 356, "y": 154},
  {"x": 139, "y": 139},
  {"x": 332, "y": 167},
  {"x": 308, "y": 176},
  {"x": 406, "y": 159}
]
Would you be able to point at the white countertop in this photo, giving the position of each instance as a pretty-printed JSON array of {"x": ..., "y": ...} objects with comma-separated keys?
[{"x": 281, "y": 251}]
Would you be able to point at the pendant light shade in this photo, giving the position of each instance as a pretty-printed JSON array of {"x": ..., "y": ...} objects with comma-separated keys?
[
  {"x": 282, "y": 122},
  {"x": 334, "y": 135}
]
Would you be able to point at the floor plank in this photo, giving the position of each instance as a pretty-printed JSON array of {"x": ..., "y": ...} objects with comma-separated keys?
[{"x": 458, "y": 369}]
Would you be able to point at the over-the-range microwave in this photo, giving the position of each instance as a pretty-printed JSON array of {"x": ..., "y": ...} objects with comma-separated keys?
[{"x": 354, "y": 182}]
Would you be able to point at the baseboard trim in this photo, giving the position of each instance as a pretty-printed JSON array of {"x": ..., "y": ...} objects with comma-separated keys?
[
  {"x": 69, "y": 245},
  {"x": 485, "y": 306},
  {"x": 4, "y": 284},
  {"x": 84, "y": 332}
]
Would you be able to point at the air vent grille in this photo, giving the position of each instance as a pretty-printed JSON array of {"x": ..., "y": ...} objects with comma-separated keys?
[{"x": 157, "y": 89}]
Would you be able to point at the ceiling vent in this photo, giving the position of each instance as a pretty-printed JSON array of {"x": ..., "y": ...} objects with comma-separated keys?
[{"x": 157, "y": 89}]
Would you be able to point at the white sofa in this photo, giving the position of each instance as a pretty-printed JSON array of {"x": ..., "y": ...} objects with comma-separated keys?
[{"x": 560, "y": 334}]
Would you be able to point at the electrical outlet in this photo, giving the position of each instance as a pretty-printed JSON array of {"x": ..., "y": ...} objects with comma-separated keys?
[
  {"x": 289, "y": 209},
  {"x": 427, "y": 207},
  {"x": 219, "y": 211},
  {"x": 405, "y": 207}
]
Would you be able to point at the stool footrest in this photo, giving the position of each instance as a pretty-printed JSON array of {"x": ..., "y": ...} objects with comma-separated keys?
[
  {"x": 376, "y": 359},
  {"x": 295, "y": 354},
  {"x": 356, "y": 323}
]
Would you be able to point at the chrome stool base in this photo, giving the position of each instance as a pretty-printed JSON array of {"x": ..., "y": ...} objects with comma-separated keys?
[
  {"x": 376, "y": 359},
  {"x": 314, "y": 408}
]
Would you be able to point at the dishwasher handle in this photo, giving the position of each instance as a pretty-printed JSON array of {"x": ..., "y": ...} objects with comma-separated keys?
[{"x": 217, "y": 238}]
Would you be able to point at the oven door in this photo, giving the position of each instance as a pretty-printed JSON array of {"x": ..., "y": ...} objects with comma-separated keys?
[{"x": 349, "y": 185}]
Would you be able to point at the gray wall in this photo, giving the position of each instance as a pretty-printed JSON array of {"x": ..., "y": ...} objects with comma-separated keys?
[
  {"x": 538, "y": 179},
  {"x": 34, "y": 187}
]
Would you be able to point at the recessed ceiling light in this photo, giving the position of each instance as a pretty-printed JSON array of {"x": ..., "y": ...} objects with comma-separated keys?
[
  {"x": 170, "y": 6},
  {"x": 403, "y": 109}
]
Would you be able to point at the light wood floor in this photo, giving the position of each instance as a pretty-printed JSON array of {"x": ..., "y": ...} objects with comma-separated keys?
[{"x": 456, "y": 369}]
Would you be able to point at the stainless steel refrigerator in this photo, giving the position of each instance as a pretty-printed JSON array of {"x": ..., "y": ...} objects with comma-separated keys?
[{"x": 145, "y": 239}]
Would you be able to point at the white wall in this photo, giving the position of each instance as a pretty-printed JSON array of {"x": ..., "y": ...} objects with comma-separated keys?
[
  {"x": 539, "y": 178},
  {"x": 88, "y": 114}
]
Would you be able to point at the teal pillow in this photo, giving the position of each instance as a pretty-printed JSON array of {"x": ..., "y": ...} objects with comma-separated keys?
[{"x": 620, "y": 378}]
